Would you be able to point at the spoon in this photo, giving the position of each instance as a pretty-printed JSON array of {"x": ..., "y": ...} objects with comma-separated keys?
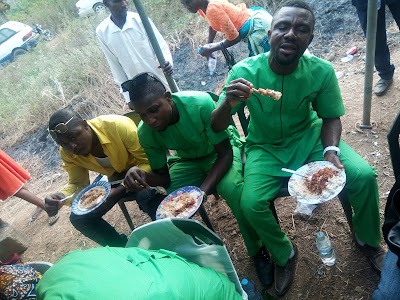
[
  {"x": 68, "y": 197},
  {"x": 294, "y": 172},
  {"x": 159, "y": 189}
]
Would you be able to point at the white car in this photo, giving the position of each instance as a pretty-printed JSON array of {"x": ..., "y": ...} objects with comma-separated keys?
[
  {"x": 88, "y": 7},
  {"x": 15, "y": 39}
]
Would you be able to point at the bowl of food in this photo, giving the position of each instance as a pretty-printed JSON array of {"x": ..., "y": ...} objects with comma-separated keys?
[
  {"x": 320, "y": 181},
  {"x": 91, "y": 197},
  {"x": 182, "y": 203}
]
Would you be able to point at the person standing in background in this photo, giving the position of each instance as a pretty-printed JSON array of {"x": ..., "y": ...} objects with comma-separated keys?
[
  {"x": 382, "y": 54},
  {"x": 236, "y": 22},
  {"x": 127, "y": 48}
]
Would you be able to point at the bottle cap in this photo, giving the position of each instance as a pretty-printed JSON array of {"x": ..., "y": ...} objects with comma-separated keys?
[
  {"x": 199, "y": 50},
  {"x": 245, "y": 281},
  {"x": 320, "y": 234}
]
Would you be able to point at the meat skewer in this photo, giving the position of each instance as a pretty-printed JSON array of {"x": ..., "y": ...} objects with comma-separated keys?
[{"x": 271, "y": 93}]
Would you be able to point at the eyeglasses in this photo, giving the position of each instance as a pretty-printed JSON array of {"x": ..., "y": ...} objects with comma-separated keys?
[
  {"x": 137, "y": 81},
  {"x": 59, "y": 128}
]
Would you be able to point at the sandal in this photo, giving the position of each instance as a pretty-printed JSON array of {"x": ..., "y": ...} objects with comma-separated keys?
[
  {"x": 53, "y": 219},
  {"x": 35, "y": 214}
]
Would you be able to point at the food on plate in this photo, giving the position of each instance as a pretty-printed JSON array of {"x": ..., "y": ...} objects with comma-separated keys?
[
  {"x": 180, "y": 206},
  {"x": 92, "y": 197},
  {"x": 271, "y": 93},
  {"x": 320, "y": 180}
]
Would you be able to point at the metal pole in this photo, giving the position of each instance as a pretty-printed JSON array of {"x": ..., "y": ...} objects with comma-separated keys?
[
  {"x": 372, "y": 14},
  {"x": 154, "y": 42}
]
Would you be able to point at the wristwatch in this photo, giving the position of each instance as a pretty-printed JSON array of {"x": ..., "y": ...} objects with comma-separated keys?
[{"x": 331, "y": 148}]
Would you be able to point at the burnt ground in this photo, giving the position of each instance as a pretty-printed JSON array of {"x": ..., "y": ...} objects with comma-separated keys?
[{"x": 337, "y": 30}]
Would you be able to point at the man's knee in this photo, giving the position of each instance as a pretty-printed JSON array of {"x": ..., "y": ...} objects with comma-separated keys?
[
  {"x": 79, "y": 221},
  {"x": 250, "y": 204},
  {"x": 364, "y": 174}
]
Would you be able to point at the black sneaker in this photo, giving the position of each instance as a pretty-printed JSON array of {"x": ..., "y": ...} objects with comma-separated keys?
[{"x": 264, "y": 266}]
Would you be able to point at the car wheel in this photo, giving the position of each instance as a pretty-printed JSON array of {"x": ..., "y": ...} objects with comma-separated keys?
[
  {"x": 99, "y": 8},
  {"x": 18, "y": 52}
]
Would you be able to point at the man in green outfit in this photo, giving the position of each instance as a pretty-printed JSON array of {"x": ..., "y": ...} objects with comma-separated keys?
[
  {"x": 203, "y": 158},
  {"x": 303, "y": 126}
]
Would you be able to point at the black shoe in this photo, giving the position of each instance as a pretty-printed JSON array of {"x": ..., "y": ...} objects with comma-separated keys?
[
  {"x": 264, "y": 266},
  {"x": 374, "y": 255},
  {"x": 284, "y": 275},
  {"x": 382, "y": 86}
]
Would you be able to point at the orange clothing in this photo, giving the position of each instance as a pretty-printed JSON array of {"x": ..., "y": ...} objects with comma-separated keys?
[
  {"x": 12, "y": 176},
  {"x": 226, "y": 17}
]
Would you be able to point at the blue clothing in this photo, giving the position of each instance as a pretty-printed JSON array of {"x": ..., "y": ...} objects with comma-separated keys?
[{"x": 389, "y": 284}]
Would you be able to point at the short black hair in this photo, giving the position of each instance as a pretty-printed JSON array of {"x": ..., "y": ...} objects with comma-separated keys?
[
  {"x": 296, "y": 3},
  {"x": 62, "y": 116},
  {"x": 142, "y": 86}
]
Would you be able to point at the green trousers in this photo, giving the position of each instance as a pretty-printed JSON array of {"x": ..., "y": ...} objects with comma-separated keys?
[
  {"x": 362, "y": 189},
  {"x": 185, "y": 172}
]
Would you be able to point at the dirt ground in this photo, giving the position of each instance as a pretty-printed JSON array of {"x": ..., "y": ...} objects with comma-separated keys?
[{"x": 351, "y": 277}]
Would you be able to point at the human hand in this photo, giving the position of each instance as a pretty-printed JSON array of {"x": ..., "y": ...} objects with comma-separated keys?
[
  {"x": 117, "y": 192},
  {"x": 167, "y": 68},
  {"x": 332, "y": 157},
  {"x": 135, "y": 179},
  {"x": 207, "y": 49},
  {"x": 52, "y": 203},
  {"x": 238, "y": 90}
]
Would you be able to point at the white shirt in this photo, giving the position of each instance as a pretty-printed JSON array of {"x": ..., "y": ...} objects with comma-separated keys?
[{"x": 128, "y": 50}]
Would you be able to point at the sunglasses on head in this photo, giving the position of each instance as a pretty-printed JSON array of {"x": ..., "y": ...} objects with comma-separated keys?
[
  {"x": 59, "y": 128},
  {"x": 137, "y": 81}
]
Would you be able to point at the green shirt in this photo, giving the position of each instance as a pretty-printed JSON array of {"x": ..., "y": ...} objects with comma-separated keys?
[
  {"x": 281, "y": 132},
  {"x": 132, "y": 273},
  {"x": 191, "y": 137}
]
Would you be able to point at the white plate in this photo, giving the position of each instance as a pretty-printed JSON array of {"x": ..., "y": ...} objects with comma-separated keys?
[
  {"x": 297, "y": 184},
  {"x": 164, "y": 211},
  {"x": 76, "y": 207}
]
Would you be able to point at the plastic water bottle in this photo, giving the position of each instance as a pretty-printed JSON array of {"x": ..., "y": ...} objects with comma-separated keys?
[
  {"x": 325, "y": 249},
  {"x": 250, "y": 290},
  {"x": 212, "y": 63}
]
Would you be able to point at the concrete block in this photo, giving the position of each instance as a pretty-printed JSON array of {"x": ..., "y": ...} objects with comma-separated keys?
[{"x": 11, "y": 241}]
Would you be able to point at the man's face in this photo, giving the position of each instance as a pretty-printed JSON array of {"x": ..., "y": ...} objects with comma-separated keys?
[
  {"x": 78, "y": 138},
  {"x": 291, "y": 33},
  {"x": 118, "y": 8},
  {"x": 155, "y": 112},
  {"x": 191, "y": 5}
]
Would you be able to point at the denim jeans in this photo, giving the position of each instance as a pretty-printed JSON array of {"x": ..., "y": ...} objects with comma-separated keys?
[
  {"x": 389, "y": 284},
  {"x": 93, "y": 226},
  {"x": 382, "y": 54}
]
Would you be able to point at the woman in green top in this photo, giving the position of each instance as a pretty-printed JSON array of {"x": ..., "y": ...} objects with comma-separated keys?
[{"x": 203, "y": 158}]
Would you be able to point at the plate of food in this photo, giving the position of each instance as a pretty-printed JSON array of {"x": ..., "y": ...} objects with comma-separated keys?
[
  {"x": 182, "y": 203},
  {"x": 91, "y": 197},
  {"x": 318, "y": 182}
]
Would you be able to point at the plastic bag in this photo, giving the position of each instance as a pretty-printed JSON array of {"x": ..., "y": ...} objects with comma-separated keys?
[{"x": 305, "y": 209}]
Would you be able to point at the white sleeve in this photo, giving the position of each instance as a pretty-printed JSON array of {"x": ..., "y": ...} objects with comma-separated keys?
[
  {"x": 116, "y": 68},
  {"x": 163, "y": 44}
]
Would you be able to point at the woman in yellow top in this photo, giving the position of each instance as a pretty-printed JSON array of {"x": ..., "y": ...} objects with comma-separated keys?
[
  {"x": 236, "y": 22},
  {"x": 107, "y": 145}
]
